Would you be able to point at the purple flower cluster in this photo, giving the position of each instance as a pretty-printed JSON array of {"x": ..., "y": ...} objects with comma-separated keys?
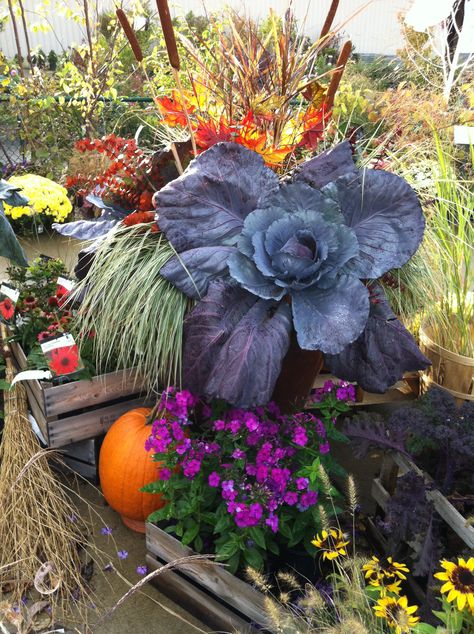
[
  {"x": 343, "y": 391},
  {"x": 255, "y": 460}
]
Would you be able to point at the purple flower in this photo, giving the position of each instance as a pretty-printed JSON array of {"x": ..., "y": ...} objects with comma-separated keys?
[
  {"x": 291, "y": 498},
  {"x": 251, "y": 422},
  {"x": 122, "y": 554},
  {"x": 164, "y": 473},
  {"x": 142, "y": 570},
  {"x": 219, "y": 425},
  {"x": 262, "y": 473},
  {"x": 191, "y": 468},
  {"x": 214, "y": 479},
  {"x": 299, "y": 436},
  {"x": 235, "y": 426},
  {"x": 324, "y": 448},
  {"x": 302, "y": 483},
  {"x": 183, "y": 447},
  {"x": 320, "y": 429},
  {"x": 106, "y": 530},
  {"x": 272, "y": 522},
  {"x": 307, "y": 499},
  {"x": 238, "y": 453}
]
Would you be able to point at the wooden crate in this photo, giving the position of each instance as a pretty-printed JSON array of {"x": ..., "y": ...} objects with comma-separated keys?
[
  {"x": 80, "y": 410},
  {"x": 208, "y": 591},
  {"x": 395, "y": 465}
]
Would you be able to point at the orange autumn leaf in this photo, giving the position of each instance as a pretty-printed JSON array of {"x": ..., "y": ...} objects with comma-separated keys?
[
  {"x": 210, "y": 132},
  {"x": 276, "y": 155},
  {"x": 173, "y": 109}
]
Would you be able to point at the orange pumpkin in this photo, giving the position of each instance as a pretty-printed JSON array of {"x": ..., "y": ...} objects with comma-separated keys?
[{"x": 125, "y": 466}]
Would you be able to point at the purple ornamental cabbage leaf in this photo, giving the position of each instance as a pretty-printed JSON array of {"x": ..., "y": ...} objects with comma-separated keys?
[
  {"x": 234, "y": 345},
  {"x": 327, "y": 166},
  {"x": 110, "y": 217},
  {"x": 192, "y": 271},
  {"x": 207, "y": 205},
  {"x": 386, "y": 216},
  {"x": 382, "y": 353}
]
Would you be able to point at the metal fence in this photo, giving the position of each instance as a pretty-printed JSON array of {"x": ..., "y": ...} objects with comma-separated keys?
[{"x": 15, "y": 151}]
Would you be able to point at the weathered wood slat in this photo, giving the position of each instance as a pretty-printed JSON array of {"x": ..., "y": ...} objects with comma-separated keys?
[
  {"x": 197, "y": 602},
  {"x": 226, "y": 586},
  {"x": 34, "y": 385},
  {"x": 65, "y": 431},
  {"x": 60, "y": 399},
  {"x": 441, "y": 503},
  {"x": 443, "y": 506}
]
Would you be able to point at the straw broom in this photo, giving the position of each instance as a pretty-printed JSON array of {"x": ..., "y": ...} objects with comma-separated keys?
[{"x": 43, "y": 541}]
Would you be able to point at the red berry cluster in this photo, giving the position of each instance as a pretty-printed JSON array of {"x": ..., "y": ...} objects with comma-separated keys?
[{"x": 126, "y": 176}]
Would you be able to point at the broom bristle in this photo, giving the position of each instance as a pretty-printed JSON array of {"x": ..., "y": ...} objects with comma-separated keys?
[{"x": 43, "y": 540}]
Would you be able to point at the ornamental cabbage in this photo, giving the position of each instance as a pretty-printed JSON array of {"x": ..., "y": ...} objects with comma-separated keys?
[{"x": 265, "y": 257}]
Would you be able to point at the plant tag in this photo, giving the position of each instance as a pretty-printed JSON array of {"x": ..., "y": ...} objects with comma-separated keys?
[
  {"x": 63, "y": 289},
  {"x": 62, "y": 355},
  {"x": 8, "y": 299}
]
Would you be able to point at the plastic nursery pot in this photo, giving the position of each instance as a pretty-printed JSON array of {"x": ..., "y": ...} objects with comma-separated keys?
[
  {"x": 125, "y": 467},
  {"x": 298, "y": 374}
]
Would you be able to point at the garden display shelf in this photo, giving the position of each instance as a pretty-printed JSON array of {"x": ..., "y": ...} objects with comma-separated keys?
[
  {"x": 207, "y": 590},
  {"x": 80, "y": 410},
  {"x": 395, "y": 465}
]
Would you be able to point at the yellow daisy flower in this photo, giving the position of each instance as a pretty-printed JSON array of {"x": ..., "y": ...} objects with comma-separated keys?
[
  {"x": 397, "y": 613},
  {"x": 459, "y": 582},
  {"x": 386, "y": 574},
  {"x": 332, "y": 542}
]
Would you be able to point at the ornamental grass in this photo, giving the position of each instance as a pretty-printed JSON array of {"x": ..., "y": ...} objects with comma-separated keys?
[{"x": 136, "y": 315}]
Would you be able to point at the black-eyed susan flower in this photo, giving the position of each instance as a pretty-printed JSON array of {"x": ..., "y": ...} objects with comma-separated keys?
[
  {"x": 459, "y": 582},
  {"x": 397, "y": 613},
  {"x": 332, "y": 542},
  {"x": 385, "y": 573}
]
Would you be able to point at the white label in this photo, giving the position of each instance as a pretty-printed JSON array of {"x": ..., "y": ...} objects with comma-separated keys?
[
  {"x": 66, "y": 283},
  {"x": 10, "y": 292},
  {"x": 60, "y": 342}
]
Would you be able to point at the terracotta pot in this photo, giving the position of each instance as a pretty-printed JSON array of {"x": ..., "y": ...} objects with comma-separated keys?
[{"x": 298, "y": 374}]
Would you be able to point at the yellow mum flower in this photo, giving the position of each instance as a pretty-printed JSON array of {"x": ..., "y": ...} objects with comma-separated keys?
[
  {"x": 385, "y": 574},
  {"x": 332, "y": 543},
  {"x": 459, "y": 580},
  {"x": 397, "y": 613},
  {"x": 44, "y": 197}
]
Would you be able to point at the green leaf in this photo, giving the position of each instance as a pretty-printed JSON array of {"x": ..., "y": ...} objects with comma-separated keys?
[
  {"x": 227, "y": 550},
  {"x": 161, "y": 514},
  {"x": 5, "y": 385},
  {"x": 198, "y": 544},
  {"x": 179, "y": 529},
  {"x": 258, "y": 536},
  {"x": 273, "y": 546},
  {"x": 233, "y": 563},
  {"x": 253, "y": 557},
  {"x": 192, "y": 529}
]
